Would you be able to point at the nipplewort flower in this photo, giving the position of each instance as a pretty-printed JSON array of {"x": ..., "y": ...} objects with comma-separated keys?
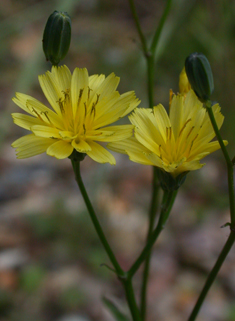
[
  {"x": 174, "y": 143},
  {"x": 82, "y": 107}
]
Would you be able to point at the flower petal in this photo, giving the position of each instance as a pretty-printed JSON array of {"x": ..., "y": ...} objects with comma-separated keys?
[
  {"x": 100, "y": 154},
  {"x": 45, "y": 131},
  {"x": 51, "y": 91},
  {"x": 81, "y": 146},
  {"x": 25, "y": 121},
  {"x": 79, "y": 82},
  {"x": 31, "y": 145},
  {"x": 112, "y": 133},
  {"x": 62, "y": 76},
  {"x": 60, "y": 149}
]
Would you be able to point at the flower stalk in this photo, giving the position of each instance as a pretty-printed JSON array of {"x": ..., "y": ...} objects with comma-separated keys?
[
  {"x": 122, "y": 275},
  {"x": 212, "y": 276},
  {"x": 166, "y": 206},
  {"x": 231, "y": 239},
  {"x": 97, "y": 226}
]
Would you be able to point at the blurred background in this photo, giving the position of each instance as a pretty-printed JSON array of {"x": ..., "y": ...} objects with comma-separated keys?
[{"x": 50, "y": 257}]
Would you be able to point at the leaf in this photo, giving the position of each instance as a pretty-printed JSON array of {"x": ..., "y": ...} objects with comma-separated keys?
[{"x": 117, "y": 314}]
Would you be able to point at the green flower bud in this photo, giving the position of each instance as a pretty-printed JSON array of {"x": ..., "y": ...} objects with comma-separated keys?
[
  {"x": 56, "y": 37},
  {"x": 168, "y": 182},
  {"x": 200, "y": 76}
]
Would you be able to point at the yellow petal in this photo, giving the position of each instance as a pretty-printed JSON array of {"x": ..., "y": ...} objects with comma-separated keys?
[
  {"x": 108, "y": 86},
  {"x": 31, "y": 145},
  {"x": 139, "y": 157},
  {"x": 79, "y": 82},
  {"x": 46, "y": 114},
  {"x": 81, "y": 146},
  {"x": 95, "y": 82},
  {"x": 25, "y": 121},
  {"x": 45, "y": 131},
  {"x": 50, "y": 90},
  {"x": 131, "y": 145},
  {"x": 112, "y": 133},
  {"x": 109, "y": 111},
  {"x": 60, "y": 149},
  {"x": 62, "y": 76},
  {"x": 100, "y": 154}
]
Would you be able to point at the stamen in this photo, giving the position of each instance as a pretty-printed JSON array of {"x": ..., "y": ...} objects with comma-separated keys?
[
  {"x": 60, "y": 102},
  {"x": 45, "y": 113},
  {"x": 85, "y": 109},
  {"x": 98, "y": 97},
  {"x": 192, "y": 143},
  {"x": 66, "y": 95},
  {"x": 94, "y": 104},
  {"x": 93, "y": 109},
  {"x": 190, "y": 131},
  {"x": 160, "y": 153},
  {"x": 168, "y": 133},
  {"x": 184, "y": 126},
  {"x": 88, "y": 94},
  {"x": 80, "y": 97},
  {"x": 34, "y": 111}
]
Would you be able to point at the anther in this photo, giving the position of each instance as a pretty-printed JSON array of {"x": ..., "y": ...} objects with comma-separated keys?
[
  {"x": 85, "y": 109},
  {"x": 60, "y": 102},
  {"x": 190, "y": 131},
  {"x": 184, "y": 126},
  {"x": 88, "y": 94},
  {"x": 80, "y": 96},
  {"x": 34, "y": 111},
  {"x": 45, "y": 113},
  {"x": 193, "y": 142},
  {"x": 160, "y": 153}
]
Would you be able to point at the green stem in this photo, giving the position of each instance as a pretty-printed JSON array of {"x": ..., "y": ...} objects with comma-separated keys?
[
  {"x": 160, "y": 27},
  {"x": 138, "y": 27},
  {"x": 213, "y": 275},
  {"x": 231, "y": 238},
  {"x": 152, "y": 215},
  {"x": 127, "y": 282},
  {"x": 228, "y": 162},
  {"x": 98, "y": 228},
  {"x": 130, "y": 296},
  {"x": 167, "y": 203}
]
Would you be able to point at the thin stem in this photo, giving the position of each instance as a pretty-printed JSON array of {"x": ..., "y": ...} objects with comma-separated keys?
[
  {"x": 213, "y": 275},
  {"x": 160, "y": 27},
  {"x": 130, "y": 296},
  {"x": 217, "y": 132},
  {"x": 138, "y": 27},
  {"x": 167, "y": 203},
  {"x": 98, "y": 228},
  {"x": 127, "y": 282},
  {"x": 150, "y": 74},
  {"x": 152, "y": 215},
  {"x": 228, "y": 162}
]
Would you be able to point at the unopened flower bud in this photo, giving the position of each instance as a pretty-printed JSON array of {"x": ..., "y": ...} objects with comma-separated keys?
[
  {"x": 57, "y": 36},
  {"x": 200, "y": 76}
]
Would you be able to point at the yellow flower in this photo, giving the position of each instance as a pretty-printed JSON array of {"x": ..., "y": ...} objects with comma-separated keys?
[
  {"x": 82, "y": 107},
  {"x": 174, "y": 143}
]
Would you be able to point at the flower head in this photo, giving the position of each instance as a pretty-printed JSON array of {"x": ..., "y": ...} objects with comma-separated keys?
[
  {"x": 82, "y": 107},
  {"x": 174, "y": 143}
]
